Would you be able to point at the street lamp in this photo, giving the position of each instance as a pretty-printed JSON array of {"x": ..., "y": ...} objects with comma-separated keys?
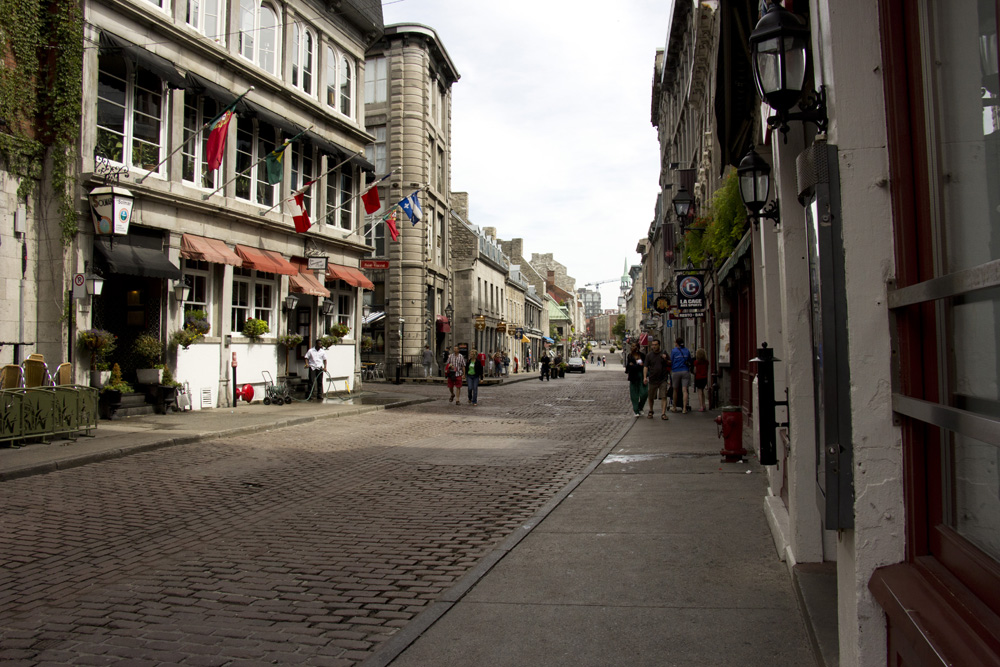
[
  {"x": 755, "y": 183},
  {"x": 682, "y": 206},
  {"x": 291, "y": 301},
  {"x": 778, "y": 54},
  {"x": 182, "y": 291}
]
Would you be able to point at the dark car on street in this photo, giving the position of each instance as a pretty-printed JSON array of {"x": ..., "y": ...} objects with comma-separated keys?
[{"x": 576, "y": 365}]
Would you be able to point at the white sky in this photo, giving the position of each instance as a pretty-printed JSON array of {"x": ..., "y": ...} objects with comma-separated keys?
[{"x": 551, "y": 132}]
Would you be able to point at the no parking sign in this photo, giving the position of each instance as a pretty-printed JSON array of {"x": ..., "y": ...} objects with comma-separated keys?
[{"x": 79, "y": 286}]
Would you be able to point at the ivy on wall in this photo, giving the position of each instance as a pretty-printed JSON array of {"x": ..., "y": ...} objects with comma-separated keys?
[
  {"x": 41, "y": 97},
  {"x": 716, "y": 234}
]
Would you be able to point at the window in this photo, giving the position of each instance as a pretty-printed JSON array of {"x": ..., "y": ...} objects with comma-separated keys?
[
  {"x": 253, "y": 297},
  {"x": 376, "y": 79},
  {"x": 194, "y": 167},
  {"x": 303, "y": 57},
  {"x": 331, "y": 78},
  {"x": 376, "y": 152},
  {"x": 439, "y": 240},
  {"x": 205, "y": 17},
  {"x": 258, "y": 34},
  {"x": 197, "y": 275},
  {"x": 375, "y": 235},
  {"x": 343, "y": 295},
  {"x": 346, "y": 83},
  {"x": 440, "y": 170},
  {"x": 428, "y": 234},
  {"x": 254, "y": 140},
  {"x": 302, "y": 172},
  {"x": 130, "y": 114},
  {"x": 346, "y": 198}
]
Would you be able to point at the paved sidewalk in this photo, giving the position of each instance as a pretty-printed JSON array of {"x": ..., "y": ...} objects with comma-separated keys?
[
  {"x": 129, "y": 435},
  {"x": 658, "y": 554}
]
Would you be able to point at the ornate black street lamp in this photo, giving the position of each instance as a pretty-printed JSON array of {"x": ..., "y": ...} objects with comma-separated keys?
[{"x": 755, "y": 183}]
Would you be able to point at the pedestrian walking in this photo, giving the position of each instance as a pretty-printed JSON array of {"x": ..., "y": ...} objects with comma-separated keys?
[
  {"x": 316, "y": 362},
  {"x": 428, "y": 360},
  {"x": 634, "y": 369},
  {"x": 455, "y": 370},
  {"x": 604, "y": 360},
  {"x": 545, "y": 368},
  {"x": 655, "y": 374},
  {"x": 680, "y": 377},
  {"x": 700, "y": 375},
  {"x": 473, "y": 374}
]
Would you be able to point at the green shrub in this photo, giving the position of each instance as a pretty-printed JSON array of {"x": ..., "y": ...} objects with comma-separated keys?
[
  {"x": 116, "y": 383},
  {"x": 255, "y": 329},
  {"x": 149, "y": 348}
]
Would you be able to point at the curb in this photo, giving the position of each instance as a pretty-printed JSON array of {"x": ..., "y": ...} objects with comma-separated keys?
[
  {"x": 402, "y": 640},
  {"x": 121, "y": 452}
]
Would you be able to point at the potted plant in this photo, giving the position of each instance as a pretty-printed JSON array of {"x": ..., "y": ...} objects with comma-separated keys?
[
  {"x": 183, "y": 338},
  {"x": 149, "y": 348},
  {"x": 99, "y": 343},
  {"x": 255, "y": 329},
  {"x": 111, "y": 393},
  {"x": 197, "y": 320},
  {"x": 165, "y": 392},
  {"x": 327, "y": 341},
  {"x": 289, "y": 341},
  {"x": 367, "y": 343},
  {"x": 338, "y": 331},
  {"x": 562, "y": 369}
]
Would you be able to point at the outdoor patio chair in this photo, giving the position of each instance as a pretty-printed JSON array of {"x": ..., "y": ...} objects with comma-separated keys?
[
  {"x": 36, "y": 357},
  {"x": 36, "y": 373},
  {"x": 11, "y": 377},
  {"x": 63, "y": 374},
  {"x": 379, "y": 371}
]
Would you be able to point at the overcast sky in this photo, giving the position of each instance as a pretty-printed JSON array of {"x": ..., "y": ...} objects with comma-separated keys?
[{"x": 551, "y": 132}]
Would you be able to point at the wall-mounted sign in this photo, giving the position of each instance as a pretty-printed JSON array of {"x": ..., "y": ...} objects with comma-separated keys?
[
  {"x": 690, "y": 291},
  {"x": 647, "y": 303},
  {"x": 374, "y": 264},
  {"x": 111, "y": 210},
  {"x": 661, "y": 304},
  {"x": 317, "y": 263},
  {"x": 480, "y": 323}
]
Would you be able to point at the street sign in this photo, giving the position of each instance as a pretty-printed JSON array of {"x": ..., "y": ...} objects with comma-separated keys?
[
  {"x": 690, "y": 291},
  {"x": 670, "y": 324},
  {"x": 374, "y": 264},
  {"x": 79, "y": 286}
]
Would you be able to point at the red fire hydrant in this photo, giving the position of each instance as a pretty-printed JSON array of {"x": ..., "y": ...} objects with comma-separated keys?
[{"x": 730, "y": 424}]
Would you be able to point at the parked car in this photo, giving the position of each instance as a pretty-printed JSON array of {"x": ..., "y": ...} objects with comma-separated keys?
[{"x": 576, "y": 364}]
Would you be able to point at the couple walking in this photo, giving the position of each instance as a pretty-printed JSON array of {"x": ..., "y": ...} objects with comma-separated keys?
[
  {"x": 652, "y": 376},
  {"x": 457, "y": 369}
]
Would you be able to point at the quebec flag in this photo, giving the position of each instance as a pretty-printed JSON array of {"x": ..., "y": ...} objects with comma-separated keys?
[{"x": 411, "y": 206}]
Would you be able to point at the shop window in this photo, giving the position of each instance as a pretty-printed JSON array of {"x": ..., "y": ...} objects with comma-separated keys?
[
  {"x": 130, "y": 113},
  {"x": 253, "y": 297}
]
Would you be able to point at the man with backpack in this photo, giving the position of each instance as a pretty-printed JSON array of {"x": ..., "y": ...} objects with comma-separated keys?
[{"x": 680, "y": 375}]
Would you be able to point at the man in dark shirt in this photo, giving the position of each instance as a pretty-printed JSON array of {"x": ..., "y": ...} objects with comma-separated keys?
[{"x": 655, "y": 371}]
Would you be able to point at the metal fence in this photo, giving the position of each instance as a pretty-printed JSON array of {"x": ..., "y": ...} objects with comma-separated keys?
[{"x": 44, "y": 412}]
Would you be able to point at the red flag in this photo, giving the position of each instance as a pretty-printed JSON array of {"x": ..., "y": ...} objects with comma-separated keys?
[
  {"x": 302, "y": 222},
  {"x": 371, "y": 200},
  {"x": 390, "y": 220},
  {"x": 217, "y": 139}
]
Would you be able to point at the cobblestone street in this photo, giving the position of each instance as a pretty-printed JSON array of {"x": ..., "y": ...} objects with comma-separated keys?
[{"x": 308, "y": 545}]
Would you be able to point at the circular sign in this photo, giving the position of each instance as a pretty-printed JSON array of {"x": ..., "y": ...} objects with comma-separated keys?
[
  {"x": 78, "y": 280},
  {"x": 661, "y": 304},
  {"x": 689, "y": 286}
]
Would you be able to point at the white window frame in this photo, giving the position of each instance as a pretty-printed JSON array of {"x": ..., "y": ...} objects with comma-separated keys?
[
  {"x": 129, "y": 112},
  {"x": 304, "y": 59},
  {"x": 345, "y": 207},
  {"x": 345, "y": 296},
  {"x": 304, "y": 170},
  {"x": 376, "y": 80},
  {"x": 257, "y": 283},
  {"x": 376, "y": 152},
  {"x": 196, "y": 18},
  {"x": 194, "y": 149},
  {"x": 198, "y": 274},
  {"x": 257, "y": 175},
  {"x": 345, "y": 86},
  {"x": 250, "y": 34}
]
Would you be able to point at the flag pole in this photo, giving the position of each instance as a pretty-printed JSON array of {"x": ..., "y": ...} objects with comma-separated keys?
[
  {"x": 238, "y": 174},
  {"x": 303, "y": 188},
  {"x": 193, "y": 134}
]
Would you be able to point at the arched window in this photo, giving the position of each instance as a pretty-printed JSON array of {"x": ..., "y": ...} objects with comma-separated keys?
[
  {"x": 346, "y": 82},
  {"x": 331, "y": 78},
  {"x": 303, "y": 57},
  {"x": 258, "y": 34}
]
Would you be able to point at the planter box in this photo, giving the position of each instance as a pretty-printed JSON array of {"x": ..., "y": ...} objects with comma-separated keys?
[
  {"x": 149, "y": 375},
  {"x": 99, "y": 378}
]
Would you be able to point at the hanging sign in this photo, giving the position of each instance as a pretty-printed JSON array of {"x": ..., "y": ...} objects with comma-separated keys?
[
  {"x": 317, "y": 263},
  {"x": 661, "y": 304},
  {"x": 111, "y": 210},
  {"x": 480, "y": 323},
  {"x": 690, "y": 292}
]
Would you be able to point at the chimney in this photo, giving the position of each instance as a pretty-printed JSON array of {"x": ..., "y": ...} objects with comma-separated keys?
[
  {"x": 490, "y": 232},
  {"x": 460, "y": 203}
]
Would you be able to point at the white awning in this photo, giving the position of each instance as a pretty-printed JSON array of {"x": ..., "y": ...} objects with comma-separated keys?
[{"x": 373, "y": 317}]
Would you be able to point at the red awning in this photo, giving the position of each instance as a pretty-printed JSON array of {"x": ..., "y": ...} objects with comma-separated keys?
[
  {"x": 349, "y": 275},
  {"x": 443, "y": 325},
  {"x": 305, "y": 281},
  {"x": 208, "y": 250},
  {"x": 265, "y": 260}
]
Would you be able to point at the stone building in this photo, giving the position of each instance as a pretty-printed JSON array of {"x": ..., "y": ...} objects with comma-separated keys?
[
  {"x": 408, "y": 112},
  {"x": 222, "y": 241}
]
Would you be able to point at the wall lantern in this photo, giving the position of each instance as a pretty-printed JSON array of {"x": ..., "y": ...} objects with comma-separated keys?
[
  {"x": 328, "y": 307},
  {"x": 449, "y": 312},
  {"x": 95, "y": 284},
  {"x": 291, "y": 301},
  {"x": 682, "y": 205},
  {"x": 182, "y": 291},
  {"x": 778, "y": 49},
  {"x": 755, "y": 183}
]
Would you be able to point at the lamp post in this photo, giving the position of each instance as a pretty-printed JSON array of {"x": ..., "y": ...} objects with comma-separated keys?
[
  {"x": 683, "y": 202},
  {"x": 754, "y": 174},
  {"x": 449, "y": 312},
  {"x": 779, "y": 46}
]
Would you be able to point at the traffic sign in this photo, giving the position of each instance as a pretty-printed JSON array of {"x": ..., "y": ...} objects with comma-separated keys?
[{"x": 79, "y": 286}]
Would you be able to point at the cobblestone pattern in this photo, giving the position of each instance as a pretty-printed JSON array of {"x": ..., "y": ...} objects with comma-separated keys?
[{"x": 309, "y": 545}]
